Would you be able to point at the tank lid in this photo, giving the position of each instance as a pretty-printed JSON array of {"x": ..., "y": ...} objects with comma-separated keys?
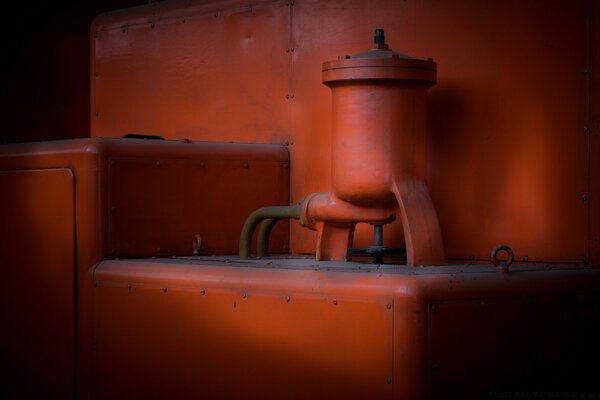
[
  {"x": 380, "y": 49},
  {"x": 380, "y": 62}
]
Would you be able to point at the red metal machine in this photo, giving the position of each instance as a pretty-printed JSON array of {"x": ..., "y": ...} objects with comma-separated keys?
[
  {"x": 127, "y": 262},
  {"x": 379, "y": 162}
]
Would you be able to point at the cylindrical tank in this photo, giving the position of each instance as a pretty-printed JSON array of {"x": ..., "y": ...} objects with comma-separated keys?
[
  {"x": 379, "y": 157},
  {"x": 379, "y": 121}
]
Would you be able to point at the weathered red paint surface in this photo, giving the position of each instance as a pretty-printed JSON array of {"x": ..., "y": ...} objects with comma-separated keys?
[
  {"x": 507, "y": 156},
  {"x": 513, "y": 135},
  {"x": 300, "y": 329},
  {"x": 68, "y": 204}
]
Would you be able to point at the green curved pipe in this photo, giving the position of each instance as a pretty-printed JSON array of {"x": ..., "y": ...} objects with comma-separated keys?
[
  {"x": 277, "y": 212},
  {"x": 264, "y": 232}
]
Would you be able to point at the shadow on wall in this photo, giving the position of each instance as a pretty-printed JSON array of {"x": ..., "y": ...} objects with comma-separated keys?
[
  {"x": 36, "y": 292},
  {"x": 447, "y": 134},
  {"x": 44, "y": 71}
]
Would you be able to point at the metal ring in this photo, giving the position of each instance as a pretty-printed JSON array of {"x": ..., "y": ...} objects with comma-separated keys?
[{"x": 502, "y": 266}]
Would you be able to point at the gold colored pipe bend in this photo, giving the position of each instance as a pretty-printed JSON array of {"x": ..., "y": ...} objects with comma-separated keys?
[{"x": 272, "y": 215}]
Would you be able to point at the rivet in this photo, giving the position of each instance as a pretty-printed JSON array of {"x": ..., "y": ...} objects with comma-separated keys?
[
  {"x": 183, "y": 20},
  {"x": 243, "y": 295},
  {"x": 285, "y": 166},
  {"x": 216, "y": 15},
  {"x": 288, "y": 298},
  {"x": 97, "y": 76},
  {"x": 250, "y": 10},
  {"x": 584, "y": 197},
  {"x": 335, "y": 302},
  {"x": 95, "y": 284},
  {"x": 586, "y": 129},
  {"x": 164, "y": 290},
  {"x": 292, "y": 49},
  {"x": 291, "y": 142},
  {"x": 152, "y": 25},
  {"x": 292, "y": 96},
  {"x": 158, "y": 249},
  {"x": 287, "y": 50},
  {"x": 202, "y": 164},
  {"x": 203, "y": 292},
  {"x": 482, "y": 304},
  {"x": 97, "y": 114},
  {"x": 389, "y": 381},
  {"x": 389, "y": 306},
  {"x": 123, "y": 30},
  {"x": 112, "y": 162},
  {"x": 129, "y": 287},
  {"x": 287, "y": 96},
  {"x": 157, "y": 163},
  {"x": 585, "y": 70},
  {"x": 245, "y": 165},
  {"x": 113, "y": 209},
  {"x": 433, "y": 307}
]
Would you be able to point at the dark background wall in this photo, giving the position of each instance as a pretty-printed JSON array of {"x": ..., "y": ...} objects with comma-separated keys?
[{"x": 44, "y": 68}]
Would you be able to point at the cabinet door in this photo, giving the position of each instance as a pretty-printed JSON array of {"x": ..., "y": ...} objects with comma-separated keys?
[{"x": 37, "y": 270}]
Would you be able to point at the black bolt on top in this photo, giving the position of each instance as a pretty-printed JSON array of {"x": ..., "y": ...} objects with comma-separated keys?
[
  {"x": 379, "y": 36},
  {"x": 379, "y": 40}
]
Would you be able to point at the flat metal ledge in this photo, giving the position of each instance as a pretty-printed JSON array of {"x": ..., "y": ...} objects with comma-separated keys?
[{"x": 308, "y": 263}]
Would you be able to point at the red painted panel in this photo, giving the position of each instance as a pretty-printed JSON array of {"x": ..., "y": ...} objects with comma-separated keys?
[
  {"x": 506, "y": 156},
  {"x": 507, "y": 159},
  {"x": 160, "y": 210},
  {"x": 297, "y": 328},
  {"x": 203, "y": 72},
  {"x": 206, "y": 197},
  {"x": 184, "y": 334},
  {"x": 37, "y": 295}
]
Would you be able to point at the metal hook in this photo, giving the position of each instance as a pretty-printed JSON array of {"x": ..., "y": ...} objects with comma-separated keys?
[
  {"x": 502, "y": 266},
  {"x": 196, "y": 244}
]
